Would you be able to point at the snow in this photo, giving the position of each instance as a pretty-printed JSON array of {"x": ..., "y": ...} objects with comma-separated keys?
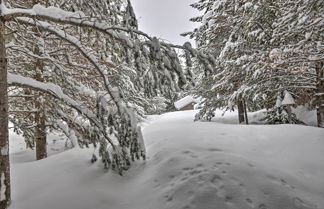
[
  {"x": 184, "y": 101},
  {"x": 41, "y": 11},
  {"x": 278, "y": 102},
  {"x": 306, "y": 115},
  {"x": 3, "y": 187},
  {"x": 288, "y": 99},
  {"x": 50, "y": 88},
  {"x": 58, "y": 15},
  {"x": 190, "y": 165},
  {"x": 4, "y": 150},
  {"x": 274, "y": 53},
  {"x": 228, "y": 46},
  {"x": 247, "y": 5}
]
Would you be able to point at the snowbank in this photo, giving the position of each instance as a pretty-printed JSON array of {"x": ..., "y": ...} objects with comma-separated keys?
[{"x": 190, "y": 165}]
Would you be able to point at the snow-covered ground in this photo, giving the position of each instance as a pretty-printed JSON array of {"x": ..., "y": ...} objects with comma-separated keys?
[{"x": 190, "y": 165}]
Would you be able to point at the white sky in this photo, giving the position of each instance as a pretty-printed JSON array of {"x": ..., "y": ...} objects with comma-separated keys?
[{"x": 166, "y": 19}]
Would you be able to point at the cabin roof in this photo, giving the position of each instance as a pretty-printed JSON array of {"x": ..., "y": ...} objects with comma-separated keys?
[{"x": 181, "y": 103}]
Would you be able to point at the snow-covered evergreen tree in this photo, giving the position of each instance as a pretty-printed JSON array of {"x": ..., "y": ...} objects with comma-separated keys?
[
  {"x": 261, "y": 47},
  {"x": 98, "y": 90},
  {"x": 298, "y": 39}
]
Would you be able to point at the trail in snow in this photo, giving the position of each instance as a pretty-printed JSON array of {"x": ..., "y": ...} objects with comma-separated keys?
[
  {"x": 190, "y": 165},
  {"x": 238, "y": 166}
]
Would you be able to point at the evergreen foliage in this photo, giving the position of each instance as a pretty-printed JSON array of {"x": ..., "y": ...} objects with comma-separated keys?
[
  {"x": 99, "y": 74},
  {"x": 260, "y": 47}
]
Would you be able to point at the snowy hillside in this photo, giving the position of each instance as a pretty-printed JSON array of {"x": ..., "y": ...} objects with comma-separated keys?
[{"x": 190, "y": 165}]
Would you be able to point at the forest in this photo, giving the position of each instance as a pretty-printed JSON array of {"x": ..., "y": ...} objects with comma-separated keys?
[{"x": 82, "y": 72}]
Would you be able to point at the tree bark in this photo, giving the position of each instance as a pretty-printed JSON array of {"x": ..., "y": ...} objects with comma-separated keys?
[
  {"x": 4, "y": 138},
  {"x": 245, "y": 113},
  {"x": 40, "y": 135},
  {"x": 319, "y": 96},
  {"x": 240, "y": 108},
  {"x": 40, "y": 117}
]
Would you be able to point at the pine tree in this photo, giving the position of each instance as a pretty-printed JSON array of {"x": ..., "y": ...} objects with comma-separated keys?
[
  {"x": 89, "y": 86},
  {"x": 299, "y": 37},
  {"x": 5, "y": 194},
  {"x": 261, "y": 47}
]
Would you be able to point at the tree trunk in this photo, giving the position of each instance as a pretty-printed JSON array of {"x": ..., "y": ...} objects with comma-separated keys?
[
  {"x": 40, "y": 134},
  {"x": 319, "y": 96},
  {"x": 240, "y": 108},
  {"x": 40, "y": 120},
  {"x": 245, "y": 113},
  {"x": 4, "y": 138}
]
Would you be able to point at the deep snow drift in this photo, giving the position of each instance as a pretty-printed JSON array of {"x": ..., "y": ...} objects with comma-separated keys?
[{"x": 190, "y": 165}]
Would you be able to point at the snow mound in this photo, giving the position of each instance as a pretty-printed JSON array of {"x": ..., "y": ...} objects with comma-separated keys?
[
  {"x": 288, "y": 99},
  {"x": 190, "y": 165}
]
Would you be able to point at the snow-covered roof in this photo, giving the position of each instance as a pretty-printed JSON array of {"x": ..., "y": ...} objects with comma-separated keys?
[
  {"x": 184, "y": 102},
  {"x": 288, "y": 99}
]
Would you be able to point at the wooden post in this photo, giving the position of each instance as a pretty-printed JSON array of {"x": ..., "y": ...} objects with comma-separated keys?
[{"x": 4, "y": 137}]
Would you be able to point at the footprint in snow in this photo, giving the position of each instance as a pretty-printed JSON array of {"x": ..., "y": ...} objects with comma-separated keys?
[
  {"x": 168, "y": 198},
  {"x": 171, "y": 177},
  {"x": 285, "y": 183},
  {"x": 191, "y": 154},
  {"x": 300, "y": 203},
  {"x": 222, "y": 163},
  {"x": 251, "y": 165},
  {"x": 186, "y": 152},
  {"x": 200, "y": 165},
  {"x": 215, "y": 150},
  {"x": 228, "y": 198},
  {"x": 215, "y": 178},
  {"x": 187, "y": 169},
  {"x": 194, "y": 172},
  {"x": 262, "y": 206},
  {"x": 250, "y": 202}
]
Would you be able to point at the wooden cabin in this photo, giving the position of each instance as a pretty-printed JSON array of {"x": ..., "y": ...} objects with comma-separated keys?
[{"x": 186, "y": 103}]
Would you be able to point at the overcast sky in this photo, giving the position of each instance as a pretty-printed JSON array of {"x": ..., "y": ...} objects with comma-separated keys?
[{"x": 165, "y": 19}]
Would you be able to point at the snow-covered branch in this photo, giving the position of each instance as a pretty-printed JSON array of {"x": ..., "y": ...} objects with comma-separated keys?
[{"x": 56, "y": 91}]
